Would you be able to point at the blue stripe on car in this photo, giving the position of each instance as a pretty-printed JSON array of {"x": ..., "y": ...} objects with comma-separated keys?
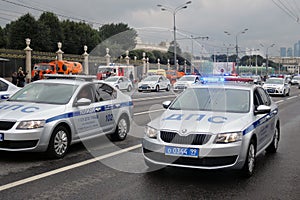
[
  {"x": 260, "y": 121},
  {"x": 94, "y": 110}
]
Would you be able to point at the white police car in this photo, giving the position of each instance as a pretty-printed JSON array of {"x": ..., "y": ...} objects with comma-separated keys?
[
  {"x": 7, "y": 89},
  {"x": 50, "y": 115},
  {"x": 213, "y": 126},
  {"x": 154, "y": 83},
  {"x": 277, "y": 86},
  {"x": 185, "y": 82}
]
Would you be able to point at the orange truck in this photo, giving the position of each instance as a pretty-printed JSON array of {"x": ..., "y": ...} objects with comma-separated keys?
[
  {"x": 57, "y": 67},
  {"x": 173, "y": 75}
]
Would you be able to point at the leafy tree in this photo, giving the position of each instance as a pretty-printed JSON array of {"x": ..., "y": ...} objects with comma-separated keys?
[
  {"x": 117, "y": 37},
  {"x": 2, "y": 38},
  {"x": 50, "y": 31},
  {"x": 25, "y": 27}
]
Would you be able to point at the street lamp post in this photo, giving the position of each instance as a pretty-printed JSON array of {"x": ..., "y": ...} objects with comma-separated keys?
[
  {"x": 267, "y": 57},
  {"x": 174, "y": 11},
  {"x": 237, "y": 47}
]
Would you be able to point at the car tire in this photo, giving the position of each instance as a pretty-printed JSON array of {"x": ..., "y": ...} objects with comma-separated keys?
[
  {"x": 288, "y": 94},
  {"x": 129, "y": 88},
  {"x": 117, "y": 87},
  {"x": 59, "y": 142},
  {"x": 157, "y": 88},
  {"x": 121, "y": 130},
  {"x": 283, "y": 94},
  {"x": 168, "y": 88},
  {"x": 249, "y": 166},
  {"x": 272, "y": 148}
]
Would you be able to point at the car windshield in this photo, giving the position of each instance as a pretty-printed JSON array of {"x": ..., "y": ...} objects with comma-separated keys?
[
  {"x": 274, "y": 81},
  {"x": 213, "y": 99},
  {"x": 187, "y": 78},
  {"x": 151, "y": 78},
  {"x": 50, "y": 93},
  {"x": 111, "y": 79},
  {"x": 296, "y": 78}
]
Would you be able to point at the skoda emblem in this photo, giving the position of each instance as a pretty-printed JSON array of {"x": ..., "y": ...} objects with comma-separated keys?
[{"x": 183, "y": 131}]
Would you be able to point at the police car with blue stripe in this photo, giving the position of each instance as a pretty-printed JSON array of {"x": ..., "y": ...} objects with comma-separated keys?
[
  {"x": 51, "y": 114},
  {"x": 214, "y": 126},
  {"x": 7, "y": 89}
]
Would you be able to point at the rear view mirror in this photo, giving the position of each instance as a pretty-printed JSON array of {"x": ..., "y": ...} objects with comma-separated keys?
[
  {"x": 262, "y": 109},
  {"x": 166, "y": 104}
]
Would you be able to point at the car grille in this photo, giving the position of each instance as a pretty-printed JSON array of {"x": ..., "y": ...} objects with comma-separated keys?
[
  {"x": 175, "y": 138},
  {"x": 18, "y": 144},
  {"x": 6, "y": 125}
]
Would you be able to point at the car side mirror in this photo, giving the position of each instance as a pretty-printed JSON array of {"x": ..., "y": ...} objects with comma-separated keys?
[
  {"x": 166, "y": 104},
  {"x": 262, "y": 109},
  {"x": 83, "y": 102}
]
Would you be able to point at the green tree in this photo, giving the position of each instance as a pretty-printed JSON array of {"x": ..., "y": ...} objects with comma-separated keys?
[
  {"x": 50, "y": 31},
  {"x": 2, "y": 38},
  {"x": 25, "y": 27}
]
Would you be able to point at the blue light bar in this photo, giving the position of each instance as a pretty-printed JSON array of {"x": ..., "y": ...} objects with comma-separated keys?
[{"x": 212, "y": 79}]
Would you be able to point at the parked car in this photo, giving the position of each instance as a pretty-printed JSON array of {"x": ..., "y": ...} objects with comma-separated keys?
[
  {"x": 277, "y": 86},
  {"x": 185, "y": 81},
  {"x": 7, "y": 89},
  {"x": 213, "y": 126},
  {"x": 51, "y": 114},
  {"x": 120, "y": 82},
  {"x": 154, "y": 83},
  {"x": 295, "y": 80}
]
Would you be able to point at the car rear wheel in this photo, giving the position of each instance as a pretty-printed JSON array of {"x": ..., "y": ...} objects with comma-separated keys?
[
  {"x": 272, "y": 148},
  {"x": 59, "y": 142},
  {"x": 168, "y": 88},
  {"x": 122, "y": 129},
  {"x": 250, "y": 162},
  {"x": 129, "y": 88}
]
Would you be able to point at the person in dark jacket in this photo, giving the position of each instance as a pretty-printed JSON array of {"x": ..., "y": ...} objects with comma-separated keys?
[
  {"x": 21, "y": 79},
  {"x": 14, "y": 78}
]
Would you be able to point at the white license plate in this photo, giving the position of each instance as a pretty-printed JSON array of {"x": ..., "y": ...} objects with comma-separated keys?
[{"x": 182, "y": 151}]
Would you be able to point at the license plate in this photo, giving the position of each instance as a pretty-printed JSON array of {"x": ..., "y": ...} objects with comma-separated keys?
[
  {"x": 271, "y": 90},
  {"x": 1, "y": 137},
  {"x": 181, "y": 151}
]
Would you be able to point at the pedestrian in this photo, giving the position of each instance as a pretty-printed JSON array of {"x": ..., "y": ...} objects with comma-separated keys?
[
  {"x": 21, "y": 79},
  {"x": 36, "y": 76},
  {"x": 131, "y": 76},
  {"x": 14, "y": 78}
]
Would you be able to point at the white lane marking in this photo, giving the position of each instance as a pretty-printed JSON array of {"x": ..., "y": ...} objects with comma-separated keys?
[
  {"x": 279, "y": 101},
  {"x": 66, "y": 168},
  {"x": 146, "y": 112},
  {"x": 150, "y": 98},
  {"x": 292, "y": 97}
]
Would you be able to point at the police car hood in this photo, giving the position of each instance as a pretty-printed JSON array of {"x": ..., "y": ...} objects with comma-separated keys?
[
  {"x": 201, "y": 121},
  {"x": 28, "y": 111},
  {"x": 272, "y": 85}
]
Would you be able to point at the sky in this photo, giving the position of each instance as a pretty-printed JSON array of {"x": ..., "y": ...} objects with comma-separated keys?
[{"x": 268, "y": 21}]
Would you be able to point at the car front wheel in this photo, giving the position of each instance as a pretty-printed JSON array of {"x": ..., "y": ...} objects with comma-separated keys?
[
  {"x": 168, "y": 88},
  {"x": 157, "y": 88},
  {"x": 59, "y": 143},
  {"x": 129, "y": 88},
  {"x": 250, "y": 162}
]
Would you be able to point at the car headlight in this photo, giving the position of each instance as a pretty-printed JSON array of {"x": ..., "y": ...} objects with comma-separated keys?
[
  {"x": 229, "y": 137},
  {"x": 151, "y": 132},
  {"x": 31, "y": 124}
]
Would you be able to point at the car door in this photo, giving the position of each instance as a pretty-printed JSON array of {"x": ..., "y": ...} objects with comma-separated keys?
[
  {"x": 122, "y": 83},
  {"x": 85, "y": 117},
  {"x": 263, "y": 129},
  {"x": 105, "y": 97}
]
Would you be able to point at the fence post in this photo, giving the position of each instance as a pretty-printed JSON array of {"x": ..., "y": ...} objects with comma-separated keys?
[
  {"x": 107, "y": 56},
  {"x": 59, "y": 52},
  {"x": 28, "y": 60},
  {"x": 86, "y": 60},
  {"x": 127, "y": 57}
]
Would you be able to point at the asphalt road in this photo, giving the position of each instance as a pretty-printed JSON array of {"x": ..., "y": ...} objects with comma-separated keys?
[{"x": 100, "y": 169}]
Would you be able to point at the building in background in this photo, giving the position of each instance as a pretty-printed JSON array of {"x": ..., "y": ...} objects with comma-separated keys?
[
  {"x": 282, "y": 51},
  {"x": 289, "y": 52}
]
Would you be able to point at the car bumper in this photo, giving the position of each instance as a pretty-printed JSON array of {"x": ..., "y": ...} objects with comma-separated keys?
[
  {"x": 274, "y": 91},
  {"x": 211, "y": 156},
  {"x": 24, "y": 140}
]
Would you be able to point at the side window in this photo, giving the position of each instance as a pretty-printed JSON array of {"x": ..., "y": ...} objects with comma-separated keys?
[
  {"x": 264, "y": 96},
  {"x": 105, "y": 92},
  {"x": 257, "y": 99},
  {"x": 3, "y": 86},
  {"x": 87, "y": 92}
]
